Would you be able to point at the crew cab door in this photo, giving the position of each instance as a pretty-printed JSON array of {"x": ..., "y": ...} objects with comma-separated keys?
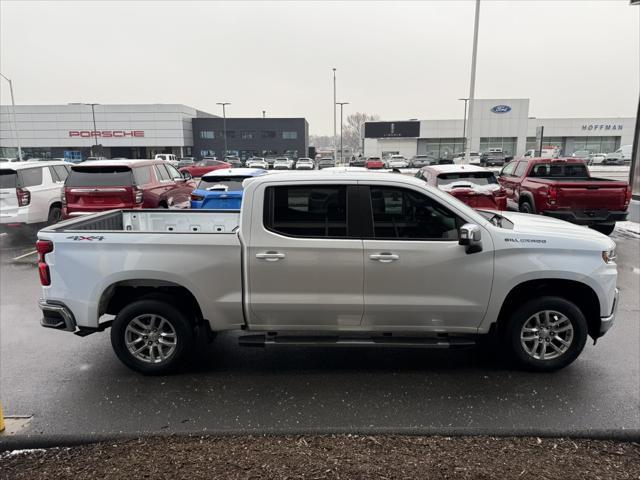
[
  {"x": 415, "y": 272},
  {"x": 303, "y": 257},
  {"x": 508, "y": 181}
]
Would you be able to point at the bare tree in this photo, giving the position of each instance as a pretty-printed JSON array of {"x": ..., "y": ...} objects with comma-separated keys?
[
  {"x": 321, "y": 141},
  {"x": 354, "y": 130}
]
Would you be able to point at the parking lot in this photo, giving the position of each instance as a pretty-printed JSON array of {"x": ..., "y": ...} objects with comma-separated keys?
[{"x": 63, "y": 385}]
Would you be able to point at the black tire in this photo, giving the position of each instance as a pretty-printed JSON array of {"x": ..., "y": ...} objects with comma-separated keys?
[
  {"x": 55, "y": 215},
  {"x": 526, "y": 207},
  {"x": 604, "y": 228},
  {"x": 184, "y": 335},
  {"x": 518, "y": 319}
]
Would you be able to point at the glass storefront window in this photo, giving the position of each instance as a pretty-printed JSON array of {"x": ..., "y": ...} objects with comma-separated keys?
[
  {"x": 207, "y": 134},
  {"x": 507, "y": 144},
  {"x": 441, "y": 147}
]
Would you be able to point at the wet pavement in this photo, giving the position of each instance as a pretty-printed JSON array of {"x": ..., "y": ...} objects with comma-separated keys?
[{"x": 73, "y": 386}]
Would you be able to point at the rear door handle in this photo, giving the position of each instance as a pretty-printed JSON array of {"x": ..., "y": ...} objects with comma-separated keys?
[
  {"x": 270, "y": 256},
  {"x": 385, "y": 257}
]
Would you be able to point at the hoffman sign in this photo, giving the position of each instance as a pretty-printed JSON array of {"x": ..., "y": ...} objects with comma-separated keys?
[
  {"x": 608, "y": 126},
  {"x": 106, "y": 133}
]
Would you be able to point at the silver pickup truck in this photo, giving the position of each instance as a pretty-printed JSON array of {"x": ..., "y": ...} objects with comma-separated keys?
[{"x": 357, "y": 258}]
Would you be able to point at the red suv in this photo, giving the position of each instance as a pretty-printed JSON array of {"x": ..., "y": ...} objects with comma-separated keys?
[{"x": 106, "y": 185}]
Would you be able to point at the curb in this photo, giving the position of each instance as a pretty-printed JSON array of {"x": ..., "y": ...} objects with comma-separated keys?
[{"x": 20, "y": 442}]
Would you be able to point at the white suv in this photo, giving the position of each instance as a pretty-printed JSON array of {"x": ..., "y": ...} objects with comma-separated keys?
[{"x": 30, "y": 193}]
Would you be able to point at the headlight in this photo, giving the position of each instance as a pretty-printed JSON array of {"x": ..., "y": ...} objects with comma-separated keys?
[{"x": 609, "y": 256}]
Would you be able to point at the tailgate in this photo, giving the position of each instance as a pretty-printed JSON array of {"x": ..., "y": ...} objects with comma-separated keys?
[
  {"x": 476, "y": 200},
  {"x": 90, "y": 198},
  {"x": 597, "y": 195},
  {"x": 223, "y": 201}
]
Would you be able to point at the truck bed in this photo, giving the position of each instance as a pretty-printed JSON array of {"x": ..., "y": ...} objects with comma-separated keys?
[
  {"x": 154, "y": 221},
  {"x": 586, "y": 193}
]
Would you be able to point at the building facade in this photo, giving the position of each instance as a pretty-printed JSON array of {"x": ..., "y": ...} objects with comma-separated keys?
[
  {"x": 249, "y": 137},
  {"x": 67, "y": 131},
  {"x": 497, "y": 123}
]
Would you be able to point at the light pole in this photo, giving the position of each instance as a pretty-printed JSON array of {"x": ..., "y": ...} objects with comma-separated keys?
[
  {"x": 15, "y": 122},
  {"x": 224, "y": 125},
  {"x": 341, "y": 150},
  {"x": 472, "y": 86},
  {"x": 264, "y": 113},
  {"x": 335, "y": 153},
  {"x": 95, "y": 130},
  {"x": 464, "y": 125}
]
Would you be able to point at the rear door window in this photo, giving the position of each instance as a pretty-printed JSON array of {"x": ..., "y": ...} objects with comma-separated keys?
[
  {"x": 307, "y": 211},
  {"x": 8, "y": 179},
  {"x": 116, "y": 176},
  {"x": 30, "y": 177}
]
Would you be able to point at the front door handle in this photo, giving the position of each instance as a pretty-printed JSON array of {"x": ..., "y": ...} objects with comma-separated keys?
[
  {"x": 385, "y": 257},
  {"x": 270, "y": 256}
]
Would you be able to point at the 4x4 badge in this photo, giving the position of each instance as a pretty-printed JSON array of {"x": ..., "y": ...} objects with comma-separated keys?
[{"x": 83, "y": 237}]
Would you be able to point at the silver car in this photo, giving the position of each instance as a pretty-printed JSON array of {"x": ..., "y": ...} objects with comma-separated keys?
[
  {"x": 305, "y": 164},
  {"x": 257, "y": 162}
]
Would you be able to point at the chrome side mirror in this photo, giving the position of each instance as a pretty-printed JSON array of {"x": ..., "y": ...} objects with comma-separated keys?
[{"x": 471, "y": 237}]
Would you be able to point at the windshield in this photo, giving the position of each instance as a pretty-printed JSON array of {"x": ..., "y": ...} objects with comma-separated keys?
[
  {"x": 477, "y": 178},
  {"x": 99, "y": 177},
  {"x": 231, "y": 182}
]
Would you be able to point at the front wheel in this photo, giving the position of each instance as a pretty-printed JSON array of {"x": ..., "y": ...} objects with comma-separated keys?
[
  {"x": 151, "y": 336},
  {"x": 546, "y": 334},
  {"x": 606, "y": 229}
]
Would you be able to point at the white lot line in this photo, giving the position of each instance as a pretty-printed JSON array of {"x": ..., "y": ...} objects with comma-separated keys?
[{"x": 25, "y": 255}]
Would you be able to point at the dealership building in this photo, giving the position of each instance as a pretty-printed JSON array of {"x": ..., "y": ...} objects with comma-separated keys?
[
  {"x": 67, "y": 131},
  {"x": 497, "y": 123}
]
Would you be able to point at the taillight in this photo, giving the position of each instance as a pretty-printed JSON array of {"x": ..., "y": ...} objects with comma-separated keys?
[
  {"x": 627, "y": 197},
  {"x": 24, "y": 197},
  {"x": 43, "y": 247},
  {"x": 553, "y": 195},
  {"x": 196, "y": 198},
  {"x": 137, "y": 195}
]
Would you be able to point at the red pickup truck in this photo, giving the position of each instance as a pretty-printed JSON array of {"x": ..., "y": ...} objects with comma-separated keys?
[{"x": 564, "y": 189}]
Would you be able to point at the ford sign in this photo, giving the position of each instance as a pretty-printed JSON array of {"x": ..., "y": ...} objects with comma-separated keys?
[{"x": 501, "y": 109}]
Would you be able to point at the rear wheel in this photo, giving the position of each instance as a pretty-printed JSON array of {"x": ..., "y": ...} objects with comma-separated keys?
[
  {"x": 546, "y": 334},
  {"x": 526, "y": 207},
  {"x": 151, "y": 336},
  {"x": 606, "y": 229},
  {"x": 55, "y": 215}
]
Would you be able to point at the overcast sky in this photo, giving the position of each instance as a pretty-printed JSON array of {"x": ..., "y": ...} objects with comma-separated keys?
[{"x": 397, "y": 60}]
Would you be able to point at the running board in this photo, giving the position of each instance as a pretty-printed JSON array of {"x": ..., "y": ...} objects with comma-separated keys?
[{"x": 262, "y": 340}]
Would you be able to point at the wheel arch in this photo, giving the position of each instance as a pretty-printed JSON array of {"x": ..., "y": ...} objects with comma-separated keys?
[
  {"x": 581, "y": 294},
  {"x": 121, "y": 293}
]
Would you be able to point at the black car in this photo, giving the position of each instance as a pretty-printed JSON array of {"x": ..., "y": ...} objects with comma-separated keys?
[
  {"x": 357, "y": 162},
  {"x": 325, "y": 163},
  {"x": 488, "y": 159},
  {"x": 419, "y": 161}
]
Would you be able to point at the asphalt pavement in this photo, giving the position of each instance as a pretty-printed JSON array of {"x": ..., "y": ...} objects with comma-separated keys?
[{"x": 69, "y": 387}]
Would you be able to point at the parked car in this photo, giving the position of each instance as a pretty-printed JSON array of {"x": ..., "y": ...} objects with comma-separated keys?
[
  {"x": 419, "y": 161},
  {"x": 584, "y": 154},
  {"x": 206, "y": 165},
  {"x": 397, "y": 161},
  {"x": 407, "y": 265},
  {"x": 475, "y": 186},
  {"x": 167, "y": 157},
  {"x": 374, "y": 163},
  {"x": 597, "y": 158},
  {"x": 620, "y": 156},
  {"x": 107, "y": 185},
  {"x": 30, "y": 194},
  {"x": 93, "y": 159},
  {"x": 282, "y": 163},
  {"x": 563, "y": 188},
  {"x": 305, "y": 163},
  {"x": 233, "y": 160},
  {"x": 357, "y": 162},
  {"x": 325, "y": 162},
  {"x": 474, "y": 158},
  {"x": 257, "y": 162},
  {"x": 222, "y": 189},
  {"x": 8, "y": 160},
  {"x": 489, "y": 159}
]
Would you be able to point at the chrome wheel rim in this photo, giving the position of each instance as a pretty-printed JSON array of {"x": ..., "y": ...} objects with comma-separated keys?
[
  {"x": 546, "y": 335},
  {"x": 150, "y": 338}
]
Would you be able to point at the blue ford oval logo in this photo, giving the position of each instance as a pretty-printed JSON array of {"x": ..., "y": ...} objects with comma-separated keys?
[{"x": 501, "y": 109}]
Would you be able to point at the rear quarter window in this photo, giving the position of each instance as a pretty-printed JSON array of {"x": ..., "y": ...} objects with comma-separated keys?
[
  {"x": 117, "y": 176},
  {"x": 30, "y": 177},
  {"x": 142, "y": 175}
]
